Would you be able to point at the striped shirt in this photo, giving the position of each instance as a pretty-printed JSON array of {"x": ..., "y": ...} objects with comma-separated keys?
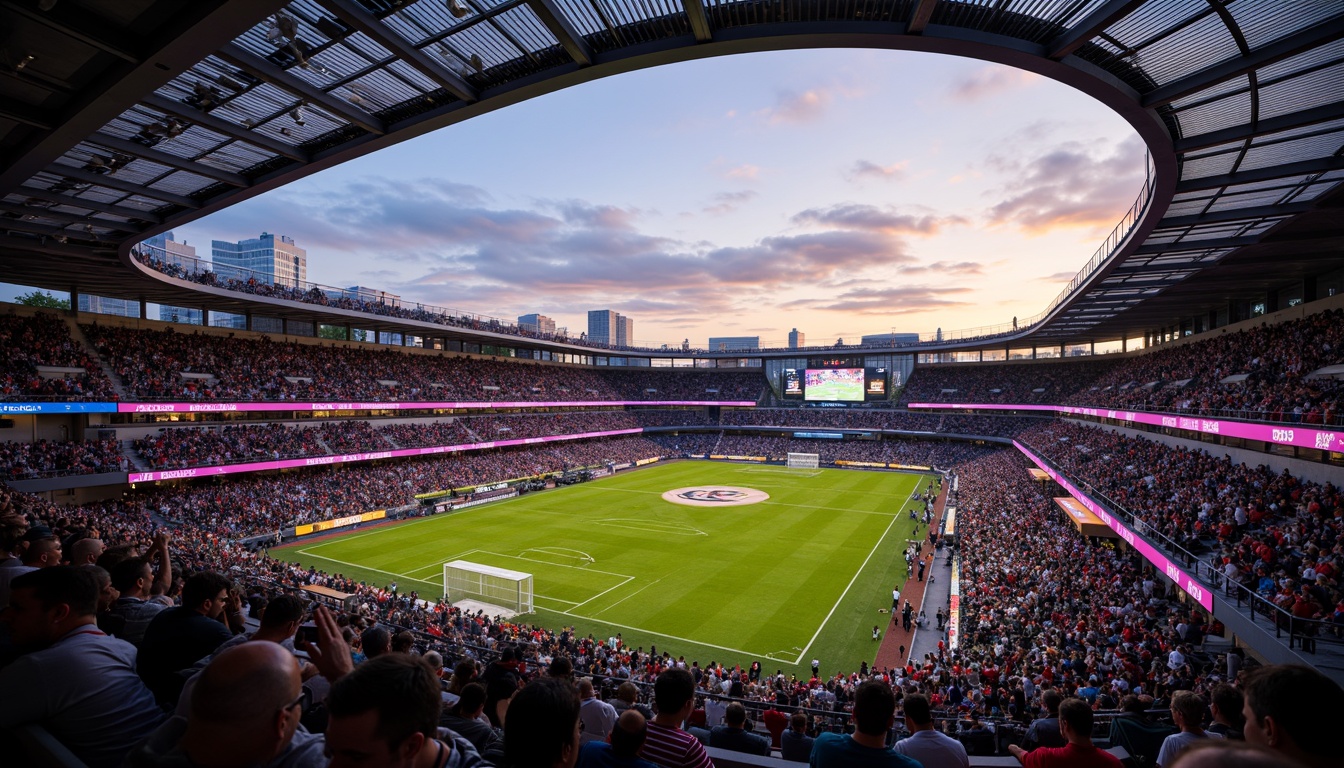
[{"x": 674, "y": 748}]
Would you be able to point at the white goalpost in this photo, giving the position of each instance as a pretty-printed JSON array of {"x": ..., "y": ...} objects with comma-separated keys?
[
  {"x": 485, "y": 587},
  {"x": 804, "y": 460}
]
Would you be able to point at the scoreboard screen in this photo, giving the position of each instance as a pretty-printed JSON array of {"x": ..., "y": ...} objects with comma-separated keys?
[{"x": 833, "y": 385}]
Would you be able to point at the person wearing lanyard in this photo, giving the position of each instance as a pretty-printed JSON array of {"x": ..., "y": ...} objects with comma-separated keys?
[{"x": 75, "y": 681}]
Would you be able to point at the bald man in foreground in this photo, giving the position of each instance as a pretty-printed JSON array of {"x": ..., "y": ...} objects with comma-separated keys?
[
  {"x": 245, "y": 710},
  {"x": 623, "y": 751}
]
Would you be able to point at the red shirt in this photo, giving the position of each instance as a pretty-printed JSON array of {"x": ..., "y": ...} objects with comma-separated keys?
[{"x": 1070, "y": 756}]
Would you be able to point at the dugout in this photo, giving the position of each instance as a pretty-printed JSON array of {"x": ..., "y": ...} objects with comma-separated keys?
[{"x": 332, "y": 598}]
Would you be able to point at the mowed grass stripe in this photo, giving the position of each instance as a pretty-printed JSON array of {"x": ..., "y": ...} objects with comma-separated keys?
[{"x": 762, "y": 579}]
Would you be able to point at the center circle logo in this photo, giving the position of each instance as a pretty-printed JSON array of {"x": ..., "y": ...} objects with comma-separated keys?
[{"x": 715, "y": 496}]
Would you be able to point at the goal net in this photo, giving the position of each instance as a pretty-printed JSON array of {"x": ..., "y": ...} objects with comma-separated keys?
[
  {"x": 494, "y": 590},
  {"x": 804, "y": 460}
]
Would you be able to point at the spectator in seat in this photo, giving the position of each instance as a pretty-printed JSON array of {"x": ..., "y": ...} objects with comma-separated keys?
[
  {"x": 41, "y": 549},
  {"x": 1075, "y": 723},
  {"x": 466, "y": 718},
  {"x": 1225, "y": 703},
  {"x": 776, "y": 722},
  {"x": 375, "y": 641},
  {"x": 134, "y": 579},
  {"x": 1044, "y": 732},
  {"x": 86, "y": 551},
  {"x": 75, "y": 681},
  {"x": 794, "y": 744},
  {"x": 733, "y": 735},
  {"x": 244, "y": 710},
  {"x": 623, "y": 751},
  {"x": 1187, "y": 712},
  {"x": 179, "y": 637},
  {"x": 667, "y": 744},
  {"x": 1294, "y": 711},
  {"x": 925, "y": 744},
  {"x": 1224, "y": 753},
  {"x": 386, "y": 713},
  {"x": 1134, "y": 730},
  {"x": 542, "y": 729},
  {"x": 874, "y": 715},
  {"x": 596, "y": 717}
]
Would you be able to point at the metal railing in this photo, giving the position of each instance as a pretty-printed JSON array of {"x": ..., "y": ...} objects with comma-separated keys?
[{"x": 262, "y": 284}]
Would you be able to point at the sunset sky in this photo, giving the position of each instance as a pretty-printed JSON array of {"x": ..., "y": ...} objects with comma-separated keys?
[{"x": 841, "y": 192}]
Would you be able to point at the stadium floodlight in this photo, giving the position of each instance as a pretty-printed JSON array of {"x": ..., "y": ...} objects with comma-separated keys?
[
  {"x": 458, "y": 8},
  {"x": 296, "y": 114}
]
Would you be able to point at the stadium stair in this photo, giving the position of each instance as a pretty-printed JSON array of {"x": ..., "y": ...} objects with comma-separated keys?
[
  {"x": 466, "y": 425},
  {"x": 133, "y": 456},
  {"x": 77, "y": 334}
]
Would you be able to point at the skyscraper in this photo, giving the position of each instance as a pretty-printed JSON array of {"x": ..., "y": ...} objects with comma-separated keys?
[
  {"x": 608, "y": 327},
  {"x": 164, "y": 248},
  {"x": 273, "y": 259},
  {"x": 538, "y": 323},
  {"x": 797, "y": 339}
]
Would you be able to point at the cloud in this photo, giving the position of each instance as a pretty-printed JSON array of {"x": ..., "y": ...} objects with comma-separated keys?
[
  {"x": 744, "y": 171},
  {"x": 1074, "y": 184},
  {"x": 990, "y": 80},
  {"x": 874, "y": 219},
  {"x": 947, "y": 267},
  {"x": 798, "y": 107},
  {"x": 869, "y": 169},
  {"x": 727, "y": 202},
  {"x": 1058, "y": 277},
  {"x": 901, "y": 300}
]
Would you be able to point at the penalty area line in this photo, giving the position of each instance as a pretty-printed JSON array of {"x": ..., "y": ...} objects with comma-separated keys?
[{"x": 664, "y": 634}]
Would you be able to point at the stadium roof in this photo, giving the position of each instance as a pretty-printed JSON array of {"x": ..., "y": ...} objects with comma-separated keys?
[{"x": 120, "y": 119}]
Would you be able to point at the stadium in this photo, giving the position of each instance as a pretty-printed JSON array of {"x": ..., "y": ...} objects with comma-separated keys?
[{"x": 293, "y": 524}]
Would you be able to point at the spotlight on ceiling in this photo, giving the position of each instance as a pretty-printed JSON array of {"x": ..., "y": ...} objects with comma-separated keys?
[
  {"x": 476, "y": 63},
  {"x": 458, "y": 8},
  {"x": 46, "y": 5},
  {"x": 296, "y": 114}
]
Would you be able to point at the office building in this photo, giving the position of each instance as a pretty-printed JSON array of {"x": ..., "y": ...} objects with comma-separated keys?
[
  {"x": 890, "y": 339},
  {"x": 366, "y": 294},
  {"x": 608, "y": 327},
  {"x": 537, "y": 323},
  {"x": 101, "y": 305},
  {"x": 797, "y": 339},
  {"x": 272, "y": 259},
  {"x": 733, "y": 343},
  {"x": 164, "y": 248}
]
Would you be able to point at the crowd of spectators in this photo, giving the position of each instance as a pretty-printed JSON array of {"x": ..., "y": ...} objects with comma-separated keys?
[
  {"x": 151, "y": 364},
  {"x": 1278, "y": 535},
  {"x": 1027, "y": 383},
  {"x": 1275, "y": 360},
  {"x": 1047, "y": 613},
  {"x": 47, "y": 458},
  {"x": 914, "y": 421},
  {"x": 44, "y": 339}
]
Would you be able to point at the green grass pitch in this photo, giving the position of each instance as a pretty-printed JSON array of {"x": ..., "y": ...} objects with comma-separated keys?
[{"x": 799, "y": 576}]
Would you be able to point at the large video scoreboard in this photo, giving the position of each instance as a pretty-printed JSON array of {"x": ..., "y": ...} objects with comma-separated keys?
[{"x": 837, "y": 380}]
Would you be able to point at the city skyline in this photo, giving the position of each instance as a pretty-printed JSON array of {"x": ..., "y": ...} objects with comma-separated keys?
[{"x": 844, "y": 192}]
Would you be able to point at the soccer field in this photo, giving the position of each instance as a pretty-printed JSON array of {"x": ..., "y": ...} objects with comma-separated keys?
[{"x": 799, "y": 576}]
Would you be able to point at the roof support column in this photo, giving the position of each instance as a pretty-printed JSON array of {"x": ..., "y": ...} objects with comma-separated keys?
[{"x": 74, "y": 300}]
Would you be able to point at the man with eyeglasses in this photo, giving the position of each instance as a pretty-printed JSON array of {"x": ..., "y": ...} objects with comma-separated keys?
[{"x": 244, "y": 710}]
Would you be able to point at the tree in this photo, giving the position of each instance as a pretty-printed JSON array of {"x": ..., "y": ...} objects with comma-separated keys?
[
  {"x": 43, "y": 299},
  {"x": 331, "y": 332}
]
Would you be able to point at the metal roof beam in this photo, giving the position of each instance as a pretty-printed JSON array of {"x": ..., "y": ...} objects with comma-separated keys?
[
  {"x": 259, "y": 67},
  {"x": 24, "y": 114},
  {"x": 1306, "y": 117},
  {"x": 71, "y": 23},
  {"x": 1233, "y": 214},
  {"x": 1305, "y": 168},
  {"x": 919, "y": 20},
  {"x": 224, "y": 127},
  {"x": 89, "y": 205},
  {"x": 1311, "y": 37},
  {"x": 68, "y": 218},
  {"x": 1211, "y": 244},
  {"x": 180, "y": 40},
  {"x": 353, "y": 14},
  {"x": 699, "y": 19},
  {"x": 110, "y": 181},
  {"x": 564, "y": 30},
  {"x": 165, "y": 158},
  {"x": 1089, "y": 27}
]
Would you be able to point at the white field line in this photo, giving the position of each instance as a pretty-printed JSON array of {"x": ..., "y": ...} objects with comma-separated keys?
[
  {"x": 603, "y": 592},
  {"x": 439, "y": 565},
  {"x": 369, "y": 568},
  {"x": 670, "y": 637},
  {"x": 557, "y": 565},
  {"x": 652, "y": 526},
  {"x": 627, "y": 597},
  {"x": 555, "y": 599},
  {"x": 855, "y": 578}
]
